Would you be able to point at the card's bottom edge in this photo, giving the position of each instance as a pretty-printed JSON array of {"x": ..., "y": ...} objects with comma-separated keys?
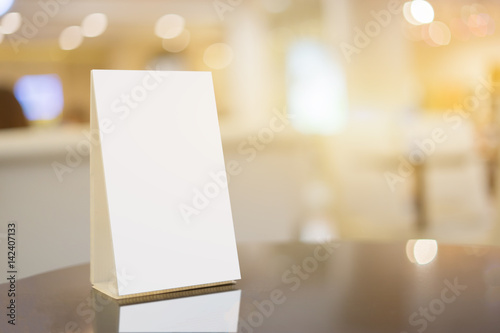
[{"x": 101, "y": 288}]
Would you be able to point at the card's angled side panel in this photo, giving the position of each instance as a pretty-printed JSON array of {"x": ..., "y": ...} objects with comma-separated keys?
[{"x": 102, "y": 262}]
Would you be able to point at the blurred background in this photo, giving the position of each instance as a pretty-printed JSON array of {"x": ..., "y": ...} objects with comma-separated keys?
[{"x": 374, "y": 120}]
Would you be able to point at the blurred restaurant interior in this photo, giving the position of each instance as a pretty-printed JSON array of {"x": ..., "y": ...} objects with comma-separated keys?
[{"x": 375, "y": 120}]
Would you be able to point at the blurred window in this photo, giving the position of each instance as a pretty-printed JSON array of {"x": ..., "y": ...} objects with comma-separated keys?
[
  {"x": 5, "y": 6},
  {"x": 41, "y": 96},
  {"x": 316, "y": 96}
]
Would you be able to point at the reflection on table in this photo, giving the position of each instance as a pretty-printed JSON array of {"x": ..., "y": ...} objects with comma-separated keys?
[{"x": 201, "y": 310}]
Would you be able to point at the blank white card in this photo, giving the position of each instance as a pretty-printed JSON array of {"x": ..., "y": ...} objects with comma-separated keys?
[{"x": 160, "y": 210}]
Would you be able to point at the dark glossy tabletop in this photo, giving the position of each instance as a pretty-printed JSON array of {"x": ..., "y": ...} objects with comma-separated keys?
[{"x": 334, "y": 287}]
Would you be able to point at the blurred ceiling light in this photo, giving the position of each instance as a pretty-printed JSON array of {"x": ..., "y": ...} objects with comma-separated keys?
[
  {"x": 218, "y": 56},
  {"x": 11, "y": 22},
  {"x": 407, "y": 13},
  {"x": 5, "y": 6},
  {"x": 94, "y": 25},
  {"x": 421, "y": 251},
  {"x": 71, "y": 38},
  {"x": 276, "y": 6},
  {"x": 178, "y": 43},
  {"x": 169, "y": 26},
  {"x": 421, "y": 11},
  {"x": 439, "y": 33}
]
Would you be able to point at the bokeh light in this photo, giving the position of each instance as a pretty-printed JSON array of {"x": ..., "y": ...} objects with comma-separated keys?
[
  {"x": 481, "y": 25},
  {"x": 473, "y": 9},
  {"x": 476, "y": 19},
  {"x": 94, "y": 25},
  {"x": 426, "y": 37},
  {"x": 169, "y": 26},
  {"x": 11, "y": 22},
  {"x": 70, "y": 38},
  {"x": 407, "y": 13},
  {"x": 218, "y": 56},
  {"x": 178, "y": 43},
  {"x": 421, "y": 251},
  {"x": 439, "y": 33},
  {"x": 422, "y": 11}
]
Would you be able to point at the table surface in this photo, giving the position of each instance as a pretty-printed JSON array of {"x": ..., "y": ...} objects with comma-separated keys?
[{"x": 295, "y": 287}]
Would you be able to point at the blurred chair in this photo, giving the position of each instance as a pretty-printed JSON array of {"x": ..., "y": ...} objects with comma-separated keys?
[
  {"x": 11, "y": 112},
  {"x": 450, "y": 196},
  {"x": 267, "y": 197},
  {"x": 367, "y": 207},
  {"x": 456, "y": 186}
]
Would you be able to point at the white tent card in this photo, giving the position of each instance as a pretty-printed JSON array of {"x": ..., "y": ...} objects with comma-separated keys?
[{"x": 156, "y": 148}]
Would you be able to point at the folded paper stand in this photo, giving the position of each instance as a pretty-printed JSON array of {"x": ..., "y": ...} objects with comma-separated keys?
[{"x": 160, "y": 211}]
